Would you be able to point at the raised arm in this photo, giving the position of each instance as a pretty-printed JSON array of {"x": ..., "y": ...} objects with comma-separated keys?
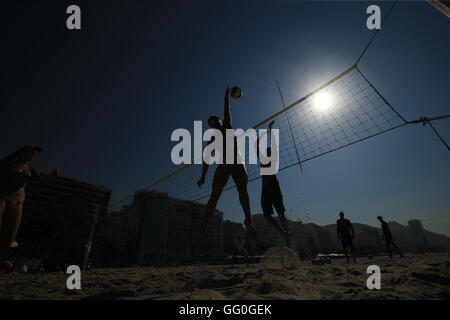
[
  {"x": 268, "y": 132},
  {"x": 227, "y": 111},
  {"x": 273, "y": 144},
  {"x": 256, "y": 146}
]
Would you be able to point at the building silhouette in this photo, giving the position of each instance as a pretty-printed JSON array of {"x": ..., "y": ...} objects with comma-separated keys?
[
  {"x": 159, "y": 229},
  {"x": 60, "y": 218}
]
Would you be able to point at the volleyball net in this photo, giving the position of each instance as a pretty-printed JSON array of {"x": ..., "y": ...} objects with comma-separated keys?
[{"x": 343, "y": 111}]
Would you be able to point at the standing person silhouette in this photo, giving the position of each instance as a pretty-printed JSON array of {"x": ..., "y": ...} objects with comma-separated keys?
[
  {"x": 271, "y": 196},
  {"x": 346, "y": 234},
  {"x": 224, "y": 170},
  {"x": 388, "y": 238},
  {"x": 14, "y": 175}
]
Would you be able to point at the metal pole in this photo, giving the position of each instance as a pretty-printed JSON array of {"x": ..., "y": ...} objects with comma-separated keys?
[
  {"x": 91, "y": 236},
  {"x": 290, "y": 127}
]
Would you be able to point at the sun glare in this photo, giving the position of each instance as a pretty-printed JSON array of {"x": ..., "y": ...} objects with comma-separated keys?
[{"x": 322, "y": 101}]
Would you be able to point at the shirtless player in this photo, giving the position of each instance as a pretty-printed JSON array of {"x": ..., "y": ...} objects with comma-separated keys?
[{"x": 236, "y": 170}]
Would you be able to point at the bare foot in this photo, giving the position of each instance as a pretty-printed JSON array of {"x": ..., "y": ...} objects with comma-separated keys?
[
  {"x": 284, "y": 224},
  {"x": 251, "y": 228}
]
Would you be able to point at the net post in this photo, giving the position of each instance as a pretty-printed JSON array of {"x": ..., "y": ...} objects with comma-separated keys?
[
  {"x": 290, "y": 127},
  {"x": 93, "y": 228}
]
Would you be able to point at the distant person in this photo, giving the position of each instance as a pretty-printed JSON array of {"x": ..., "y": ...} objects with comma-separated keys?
[
  {"x": 237, "y": 171},
  {"x": 271, "y": 196},
  {"x": 239, "y": 247},
  {"x": 346, "y": 234},
  {"x": 14, "y": 175},
  {"x": 387, "y": 237}
]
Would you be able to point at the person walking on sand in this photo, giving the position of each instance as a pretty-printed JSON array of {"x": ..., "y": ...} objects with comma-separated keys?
[
  {"x": 14, "y": 175},
  {"x": 346, "y": 234},
  {"x": 388, "y": 238}
]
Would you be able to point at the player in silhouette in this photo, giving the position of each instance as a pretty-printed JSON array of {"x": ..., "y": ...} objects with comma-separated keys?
[
  {"x": 271, "y": 196},
  {"x": 388, "y": 238},
  {"x": 236, "y": 170},
  {"x": 346, "y": 234},
  {"x": 14, "y": 175}
]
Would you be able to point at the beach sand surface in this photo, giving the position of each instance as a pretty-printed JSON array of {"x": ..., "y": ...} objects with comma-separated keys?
[{"x": 416, "y": 276}]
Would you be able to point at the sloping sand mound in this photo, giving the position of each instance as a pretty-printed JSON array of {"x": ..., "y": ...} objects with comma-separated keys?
[{"x": 280, "y": 257}]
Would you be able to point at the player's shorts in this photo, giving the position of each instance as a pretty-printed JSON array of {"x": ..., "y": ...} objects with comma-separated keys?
[
  {"x": 347, "y": 241},
  {"x": 271, "y": 197}
]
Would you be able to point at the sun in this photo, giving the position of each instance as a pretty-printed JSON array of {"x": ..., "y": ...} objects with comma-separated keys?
[{"x": 322, "y": 101}]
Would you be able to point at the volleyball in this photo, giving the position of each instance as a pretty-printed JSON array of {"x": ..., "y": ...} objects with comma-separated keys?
[{"x": 236, "y": 92}]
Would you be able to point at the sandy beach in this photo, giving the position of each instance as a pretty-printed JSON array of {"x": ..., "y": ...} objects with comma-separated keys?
[{"x": 416, "y": 276}]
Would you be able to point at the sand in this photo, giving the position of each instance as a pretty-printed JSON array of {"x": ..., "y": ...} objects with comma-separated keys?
[{"x": 419, "y": 276}]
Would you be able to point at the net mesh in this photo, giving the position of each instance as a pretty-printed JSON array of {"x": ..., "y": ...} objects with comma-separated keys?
[{"x": 345, "y": 110}]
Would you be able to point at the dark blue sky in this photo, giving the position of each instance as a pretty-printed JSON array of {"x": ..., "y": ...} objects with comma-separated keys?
[{"x": 103, "y": 101}]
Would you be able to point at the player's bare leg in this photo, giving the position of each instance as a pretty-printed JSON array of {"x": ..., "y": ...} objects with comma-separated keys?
[
  {"x": 352, "y": 248},
  {"x": 280, "y": 227},
  {"x": 388, "y": 246},
  {"x": 2, "y": 207},
  {"x": 270, "y": 219},
  {"x": 239, "y": 175},
  {"x": 397, "y": 249},
  {"x": 11, "y": 219},
  {"x": 283, "y": 221},
  {"x": 284, "y": 226},
  {"x": 220, "y": 180},
  {"x": 346, "y": 254}
]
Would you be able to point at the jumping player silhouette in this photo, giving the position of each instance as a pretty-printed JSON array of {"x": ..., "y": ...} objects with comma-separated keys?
[
  {"x": 236, "y": 170},
  {"x": 271, "y": 196}
]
